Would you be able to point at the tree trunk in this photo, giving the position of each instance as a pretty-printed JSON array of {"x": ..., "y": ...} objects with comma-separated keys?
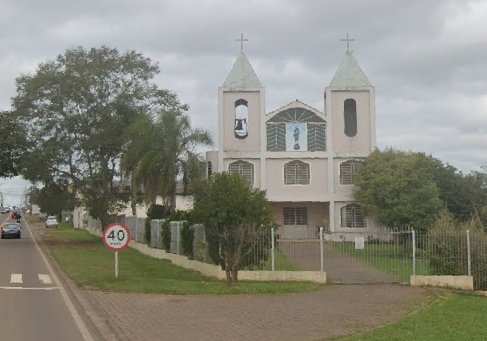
[{"x": 234, "y": 275}]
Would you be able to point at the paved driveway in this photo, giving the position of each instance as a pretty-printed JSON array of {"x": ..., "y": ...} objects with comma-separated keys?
[{"x": 331, "y": 312}]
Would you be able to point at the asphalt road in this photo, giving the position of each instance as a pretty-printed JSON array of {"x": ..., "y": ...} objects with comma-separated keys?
[{"x": 33, "y": 304}]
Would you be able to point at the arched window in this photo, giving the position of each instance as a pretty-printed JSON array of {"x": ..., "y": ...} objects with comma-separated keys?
[
  {"x": 241, "y": 119},
  {"x": 347, "y": 170},
  {"x": 296, "y": 173},
  {"x": 351, "y": 216},
  {"x": 350, "y": 117},
  {"x": 243, "y": 168},
  {"x": 210, "y": 170}
]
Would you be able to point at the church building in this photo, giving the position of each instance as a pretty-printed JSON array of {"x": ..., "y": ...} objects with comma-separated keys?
[{"x": 303, "y": 157}]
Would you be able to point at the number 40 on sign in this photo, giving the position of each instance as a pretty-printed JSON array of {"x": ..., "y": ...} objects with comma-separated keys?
[{"x": 116, "y": 238}]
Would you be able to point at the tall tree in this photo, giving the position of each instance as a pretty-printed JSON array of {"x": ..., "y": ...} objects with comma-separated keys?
[
  {"x": 163, "y": 150},
  {"x": 237, "y": 219},
  {"x": 76, "y": 110},
  {"x": 398, "y": 189},
  {"x": 53, "y": 198},
  {"x": 12, "y": 144}
]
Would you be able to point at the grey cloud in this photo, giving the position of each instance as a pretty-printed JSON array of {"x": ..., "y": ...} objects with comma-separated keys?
[{"x": 426, "y": 59}]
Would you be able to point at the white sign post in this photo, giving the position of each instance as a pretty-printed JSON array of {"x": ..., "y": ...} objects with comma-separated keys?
[{"x": 116, "y": 238}]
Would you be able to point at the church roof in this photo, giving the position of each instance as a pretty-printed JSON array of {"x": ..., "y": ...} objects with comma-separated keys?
[
  {"x": 349, "y": 73},
  {"x": 242, "y": 75}
]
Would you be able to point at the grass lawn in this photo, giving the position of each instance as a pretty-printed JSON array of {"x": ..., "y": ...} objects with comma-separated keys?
[
  {"x": 85, "y": 259},
  {"x": 388, "y": 258},
  {"x": 281, "y": 263},
  {"x": 458, "y": 317}
]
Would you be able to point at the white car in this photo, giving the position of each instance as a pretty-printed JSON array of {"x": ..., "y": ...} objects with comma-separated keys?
[{"x": 51, "y": 221}]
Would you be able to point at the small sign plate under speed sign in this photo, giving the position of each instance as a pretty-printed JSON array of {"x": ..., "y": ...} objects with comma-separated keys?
[{"x": 116, "y": 237}]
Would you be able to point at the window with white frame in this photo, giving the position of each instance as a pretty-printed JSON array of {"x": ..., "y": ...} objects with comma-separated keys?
[
  {"x": 243, "y": 168},
  {"x": 351, "y": 216},
  {"x": 296, "y": 173},
  {"x": 347, "y": 170},
  {"x": 295, "y": 216}
]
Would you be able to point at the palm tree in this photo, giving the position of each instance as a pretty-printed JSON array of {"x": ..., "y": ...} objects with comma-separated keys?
[{"x": 161, "y": 151}]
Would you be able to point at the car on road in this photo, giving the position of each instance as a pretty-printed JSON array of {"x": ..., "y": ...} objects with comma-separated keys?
[
  {"x": 5, "y": 210},
  {"x": 51, "y": 221},
  {"x": 11, "y": 230}
]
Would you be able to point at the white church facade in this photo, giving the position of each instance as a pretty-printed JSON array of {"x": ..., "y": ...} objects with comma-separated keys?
[{"x": 303, "y": 157}]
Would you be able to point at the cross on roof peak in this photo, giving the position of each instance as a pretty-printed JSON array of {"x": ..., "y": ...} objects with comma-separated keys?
[
  {"x": 347, "y": 40},
  {"x": 241, "y": 40}
]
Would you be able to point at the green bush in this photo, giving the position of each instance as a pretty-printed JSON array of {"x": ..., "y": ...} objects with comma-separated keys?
[
  {"x": 166, "y": 235},
  {"x": 447, "y": 252},
  {"x": 154, "y": 212},
  {"x": 187, "y": 238}
]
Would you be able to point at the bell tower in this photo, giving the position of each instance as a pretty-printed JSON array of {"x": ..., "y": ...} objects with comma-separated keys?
[
  {"x": 241, "y": 118},
  {"x": 350, "y": 105}
]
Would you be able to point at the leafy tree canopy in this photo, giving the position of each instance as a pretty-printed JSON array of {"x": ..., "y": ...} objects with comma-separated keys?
[
  {"x": 53, "y": 198},
  {"x": 398, "y": 188},
  {"x": 76, "y": 110},
  {"x": 162, "y": 150},
  {"x": 12, "y": 143},
  {"x": 237, "y": 219}
]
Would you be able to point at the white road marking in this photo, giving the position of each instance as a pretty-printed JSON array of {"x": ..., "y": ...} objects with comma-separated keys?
[
  {"x": 77, "y": 319},
  {"x": 16, "y": 279},
  {"x": 22, "y": 288},
  {"x": 45, "y": 279}
]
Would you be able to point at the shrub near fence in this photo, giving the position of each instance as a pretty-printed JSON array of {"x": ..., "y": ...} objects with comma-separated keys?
[
  {"x": 187, "y": 237},
  {"x": 450, "y": 248}
]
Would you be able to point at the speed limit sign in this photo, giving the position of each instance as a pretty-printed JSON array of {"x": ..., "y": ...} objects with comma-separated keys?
[{"x": 116, "y": 237}]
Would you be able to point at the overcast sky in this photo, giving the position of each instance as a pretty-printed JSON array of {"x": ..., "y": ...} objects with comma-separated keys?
[{"x": 426, "y": 58}]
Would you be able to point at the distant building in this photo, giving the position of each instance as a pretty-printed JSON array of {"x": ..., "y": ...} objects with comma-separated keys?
[{"x": 303, "y": 157}]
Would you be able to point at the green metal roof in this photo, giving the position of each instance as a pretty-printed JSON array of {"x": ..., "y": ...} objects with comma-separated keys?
[
  {"x": 349, "y": 73},
  {"x": 242, "y": 75}
]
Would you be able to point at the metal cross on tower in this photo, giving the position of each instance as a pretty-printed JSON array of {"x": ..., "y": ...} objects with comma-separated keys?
[
  {"x": 347, "y": 40},
  {"x": 241, "y": 40}
]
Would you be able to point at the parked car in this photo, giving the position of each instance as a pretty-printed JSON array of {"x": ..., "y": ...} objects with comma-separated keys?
[
  {"x": 5, "y": 210},
  {"x": 42, "y": 216},
  {"x": 11, "y": 230},
  {"x": 51, "y": 221}
]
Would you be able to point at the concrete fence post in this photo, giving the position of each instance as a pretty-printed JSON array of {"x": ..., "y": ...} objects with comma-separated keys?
[
  {"x": 414, "y": 252},
  {"x": 272, "y": 248},
  {"x": 177, "y": 238},
  {"x": 321, "y": 248},
  {"x": 136, "y": 231},
  {"x": 469, "y": 256}
]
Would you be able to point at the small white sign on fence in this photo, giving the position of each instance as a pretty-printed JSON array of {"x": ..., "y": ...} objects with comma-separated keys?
[{"x": 359, "y": 243}]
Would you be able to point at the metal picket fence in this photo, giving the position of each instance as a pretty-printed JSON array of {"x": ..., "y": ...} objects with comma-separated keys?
[{"x": 378, "y": 256}]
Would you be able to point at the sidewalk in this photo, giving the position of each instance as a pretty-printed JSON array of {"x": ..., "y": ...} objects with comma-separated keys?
[{"x": 331, "y": 312}]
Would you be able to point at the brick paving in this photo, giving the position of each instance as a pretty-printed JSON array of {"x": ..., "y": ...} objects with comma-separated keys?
[{"x": 333, "y": 311}]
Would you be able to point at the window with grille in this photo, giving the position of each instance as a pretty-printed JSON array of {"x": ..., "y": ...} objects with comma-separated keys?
[
  {"x": 296, "y": 173},
  {"x": 276, "y": 129},
  {"x": 210, "y": 170},
  {"x": 351, "y": 216},
  {"x": 347, "y": 171},
  {"x": 295, "y": 216},
  {"x": 243, "y": 168}
]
